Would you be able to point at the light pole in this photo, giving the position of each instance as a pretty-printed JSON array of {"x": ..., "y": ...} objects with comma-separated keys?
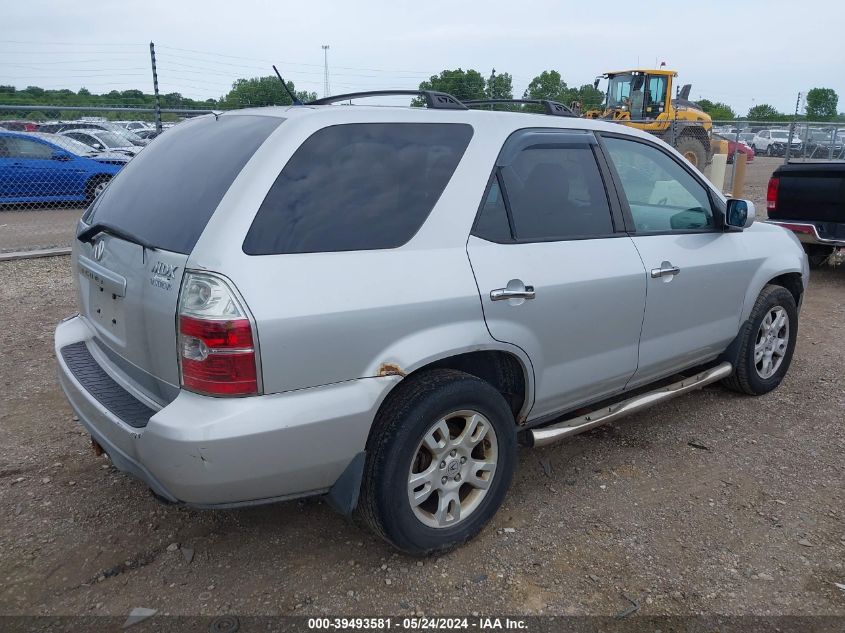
[{"x": 325, "y": 70}]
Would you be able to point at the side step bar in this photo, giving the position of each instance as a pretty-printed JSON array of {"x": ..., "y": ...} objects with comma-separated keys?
[{"x": 556, "y": 432}]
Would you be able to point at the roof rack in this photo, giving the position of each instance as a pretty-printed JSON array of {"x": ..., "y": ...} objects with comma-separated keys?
[
  {"x": 433, "y": 99},
  {"x": 551, "y": 107}
]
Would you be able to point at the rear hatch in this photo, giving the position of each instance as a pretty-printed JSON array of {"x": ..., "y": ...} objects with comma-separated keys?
[
  {"x": 134, "y": 242},
  {"x": 811, "y": 192}
]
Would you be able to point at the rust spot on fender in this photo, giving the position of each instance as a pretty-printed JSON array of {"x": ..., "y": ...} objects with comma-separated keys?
[{"x": 390, "y": 369}]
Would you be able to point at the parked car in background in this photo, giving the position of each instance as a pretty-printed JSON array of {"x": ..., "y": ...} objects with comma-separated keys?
[
  {"x": 526, "y": 275},
  {"x": 809, "y": 200},
  {"x": 774, "y": 142},
  {"x": 130, "y": 136},
  {"x": 147, "y": 135},
  {"x": 822, "y": 143},
  {"x": 103, "y": 140},
  {"x": 733, "y": 147},
  {"x": 35, "y": 168},
  {"x": 134, "y": 126},
  {"x": 20, "y": 126}
]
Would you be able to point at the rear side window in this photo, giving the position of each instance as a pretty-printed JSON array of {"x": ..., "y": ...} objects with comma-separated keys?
[
  {"x": 167, "y": 194},
  {"x": 358, "y": 186},
  {"x": 557, "y": 193}
]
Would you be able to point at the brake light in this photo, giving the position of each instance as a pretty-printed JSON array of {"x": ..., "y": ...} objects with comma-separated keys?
[
  {"x": 772, "y": 194},
  {"x": 216, "y": 343}
]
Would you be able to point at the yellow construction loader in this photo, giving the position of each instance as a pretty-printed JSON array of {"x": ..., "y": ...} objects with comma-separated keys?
[{"x": 642, "y": 98}]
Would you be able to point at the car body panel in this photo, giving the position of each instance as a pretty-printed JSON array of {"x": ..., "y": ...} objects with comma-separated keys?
[{"x": 34, "y": 180}]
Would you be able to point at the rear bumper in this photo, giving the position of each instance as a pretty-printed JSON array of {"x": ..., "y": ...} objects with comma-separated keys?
[
  {"x": 808, "y": 233},
  {"x": 217, "y": 452}
]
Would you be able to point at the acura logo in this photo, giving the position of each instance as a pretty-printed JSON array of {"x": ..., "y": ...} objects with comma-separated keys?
[{"x": 99, "y": 247}]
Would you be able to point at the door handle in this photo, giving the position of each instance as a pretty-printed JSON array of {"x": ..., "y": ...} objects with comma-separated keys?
[
  {"x": 501, "y": 294},
  {"x": 666, "y": 270}
]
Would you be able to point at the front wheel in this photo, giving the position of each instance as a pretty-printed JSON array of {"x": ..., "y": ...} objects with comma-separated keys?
[
  {"x": 769, "y": 151},
  {"x": 440, "y": 459},
  {"x": 767, "y": 344}
]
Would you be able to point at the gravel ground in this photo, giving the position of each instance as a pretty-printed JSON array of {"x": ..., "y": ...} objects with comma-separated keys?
[{"x": 713, "y": 503}]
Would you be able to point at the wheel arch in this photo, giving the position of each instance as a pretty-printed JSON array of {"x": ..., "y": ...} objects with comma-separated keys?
[{"x": 509, "y": 371}]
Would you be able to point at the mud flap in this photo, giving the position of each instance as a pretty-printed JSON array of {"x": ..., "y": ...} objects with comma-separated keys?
[{"x": 343, "y": 495}]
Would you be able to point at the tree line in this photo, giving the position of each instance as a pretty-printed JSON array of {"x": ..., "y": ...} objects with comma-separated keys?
[{"x": 470, "y": 84}]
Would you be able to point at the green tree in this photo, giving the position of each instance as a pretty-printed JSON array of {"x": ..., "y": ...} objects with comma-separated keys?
[
  {"x": 500, "y": 86},
  {"x": 261, "y": 91},
  {"x": 821, "y": 104},
  {"x": 549, "y": 85},
  {"x": 461, "y": 84},
  {"x": 717, "y": 111},
  {"x": 763, "y": 112},
  {"x": 589, "y": 97}
]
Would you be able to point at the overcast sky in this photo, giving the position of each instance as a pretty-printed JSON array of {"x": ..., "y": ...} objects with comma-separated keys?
[{"x": 739, "y": 52}]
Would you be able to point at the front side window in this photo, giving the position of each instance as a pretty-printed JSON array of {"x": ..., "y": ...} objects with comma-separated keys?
[
  {"x": 359, "y": 186},
  {"x": 662, "y": 195},
  {"x": 556, "y": 193}
]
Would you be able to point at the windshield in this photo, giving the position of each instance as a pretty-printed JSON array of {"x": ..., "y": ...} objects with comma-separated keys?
[{"x": 619, "y": 91}]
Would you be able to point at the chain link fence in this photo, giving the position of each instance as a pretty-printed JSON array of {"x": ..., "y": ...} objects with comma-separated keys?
[{"x": 68, "y": 160}]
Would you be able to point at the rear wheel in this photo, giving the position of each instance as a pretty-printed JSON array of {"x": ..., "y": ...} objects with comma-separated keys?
[
  {"x": 440, "y": 459},
  {"x": 767, "y": 344},
  {"x": 693, "y": 150},
  {"x": 96, "y": 185}
]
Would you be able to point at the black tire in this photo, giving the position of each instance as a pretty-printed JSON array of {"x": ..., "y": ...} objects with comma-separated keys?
[
  {"x": 693, "y": 150},
  {"x": 402, "y": 422},
  {"x": 92, "y": 187},
  {"x": 746, "y": 378},
  {"x": 769, "y": 151},
  {"x": 817, "y": 255}
]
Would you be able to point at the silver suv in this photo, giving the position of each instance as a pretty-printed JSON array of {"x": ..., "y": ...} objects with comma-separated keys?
[{"x": 376, "y": 303}]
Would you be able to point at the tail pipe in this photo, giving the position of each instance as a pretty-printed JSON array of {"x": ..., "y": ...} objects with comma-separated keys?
[{"x": 573, "y": 426}]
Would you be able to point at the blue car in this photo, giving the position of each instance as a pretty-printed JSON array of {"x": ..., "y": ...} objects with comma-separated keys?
[{"x": 46, "y": 168}]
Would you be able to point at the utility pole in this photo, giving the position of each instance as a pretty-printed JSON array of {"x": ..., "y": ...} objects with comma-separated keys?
[
  {"x": 325, "y": 70},
  {"x": 155, "y": 88}
]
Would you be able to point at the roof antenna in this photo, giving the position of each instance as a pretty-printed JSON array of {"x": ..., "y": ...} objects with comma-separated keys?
[{"x": 287, "y": 90}]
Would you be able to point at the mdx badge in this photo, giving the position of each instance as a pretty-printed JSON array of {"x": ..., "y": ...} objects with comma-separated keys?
[
  {"x": 99, "y": 247},
  {"x": 163, "y": 275}
]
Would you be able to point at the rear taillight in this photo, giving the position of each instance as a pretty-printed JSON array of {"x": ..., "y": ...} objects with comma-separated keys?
[
  {"x": 772, "y": 194},
  {"x": 216, "y": 342}
]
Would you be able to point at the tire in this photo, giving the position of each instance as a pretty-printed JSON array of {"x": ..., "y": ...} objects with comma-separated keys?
[
  {"x": 747, "y": 377},
  {"x": 395, "y": 452},
  {"x": 95, "y": 186},
  {"x": 769, "y": 151},
  {"x": 693, "y": 150},
  {"x": 817, "y": 255}
]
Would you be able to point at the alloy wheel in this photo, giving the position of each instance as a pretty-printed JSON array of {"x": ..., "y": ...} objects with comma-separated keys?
[
  {"x": 771, "y": 342},
  {"x": 452, "y": 469}
]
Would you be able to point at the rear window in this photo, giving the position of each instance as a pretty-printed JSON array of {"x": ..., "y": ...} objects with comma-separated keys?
[
  {"x": 169, "y": 191},
  {"x": 357, "y": 187}
]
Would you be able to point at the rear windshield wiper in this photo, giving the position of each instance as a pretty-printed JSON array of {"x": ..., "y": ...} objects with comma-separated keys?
[{"x": 88, "y": 235}]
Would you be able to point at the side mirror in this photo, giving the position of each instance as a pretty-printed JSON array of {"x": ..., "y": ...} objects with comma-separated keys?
[
  {"x": 97, "y": 146},
  {"x": 61, "y": 156},
  {"x": 740, "y": 213}
]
